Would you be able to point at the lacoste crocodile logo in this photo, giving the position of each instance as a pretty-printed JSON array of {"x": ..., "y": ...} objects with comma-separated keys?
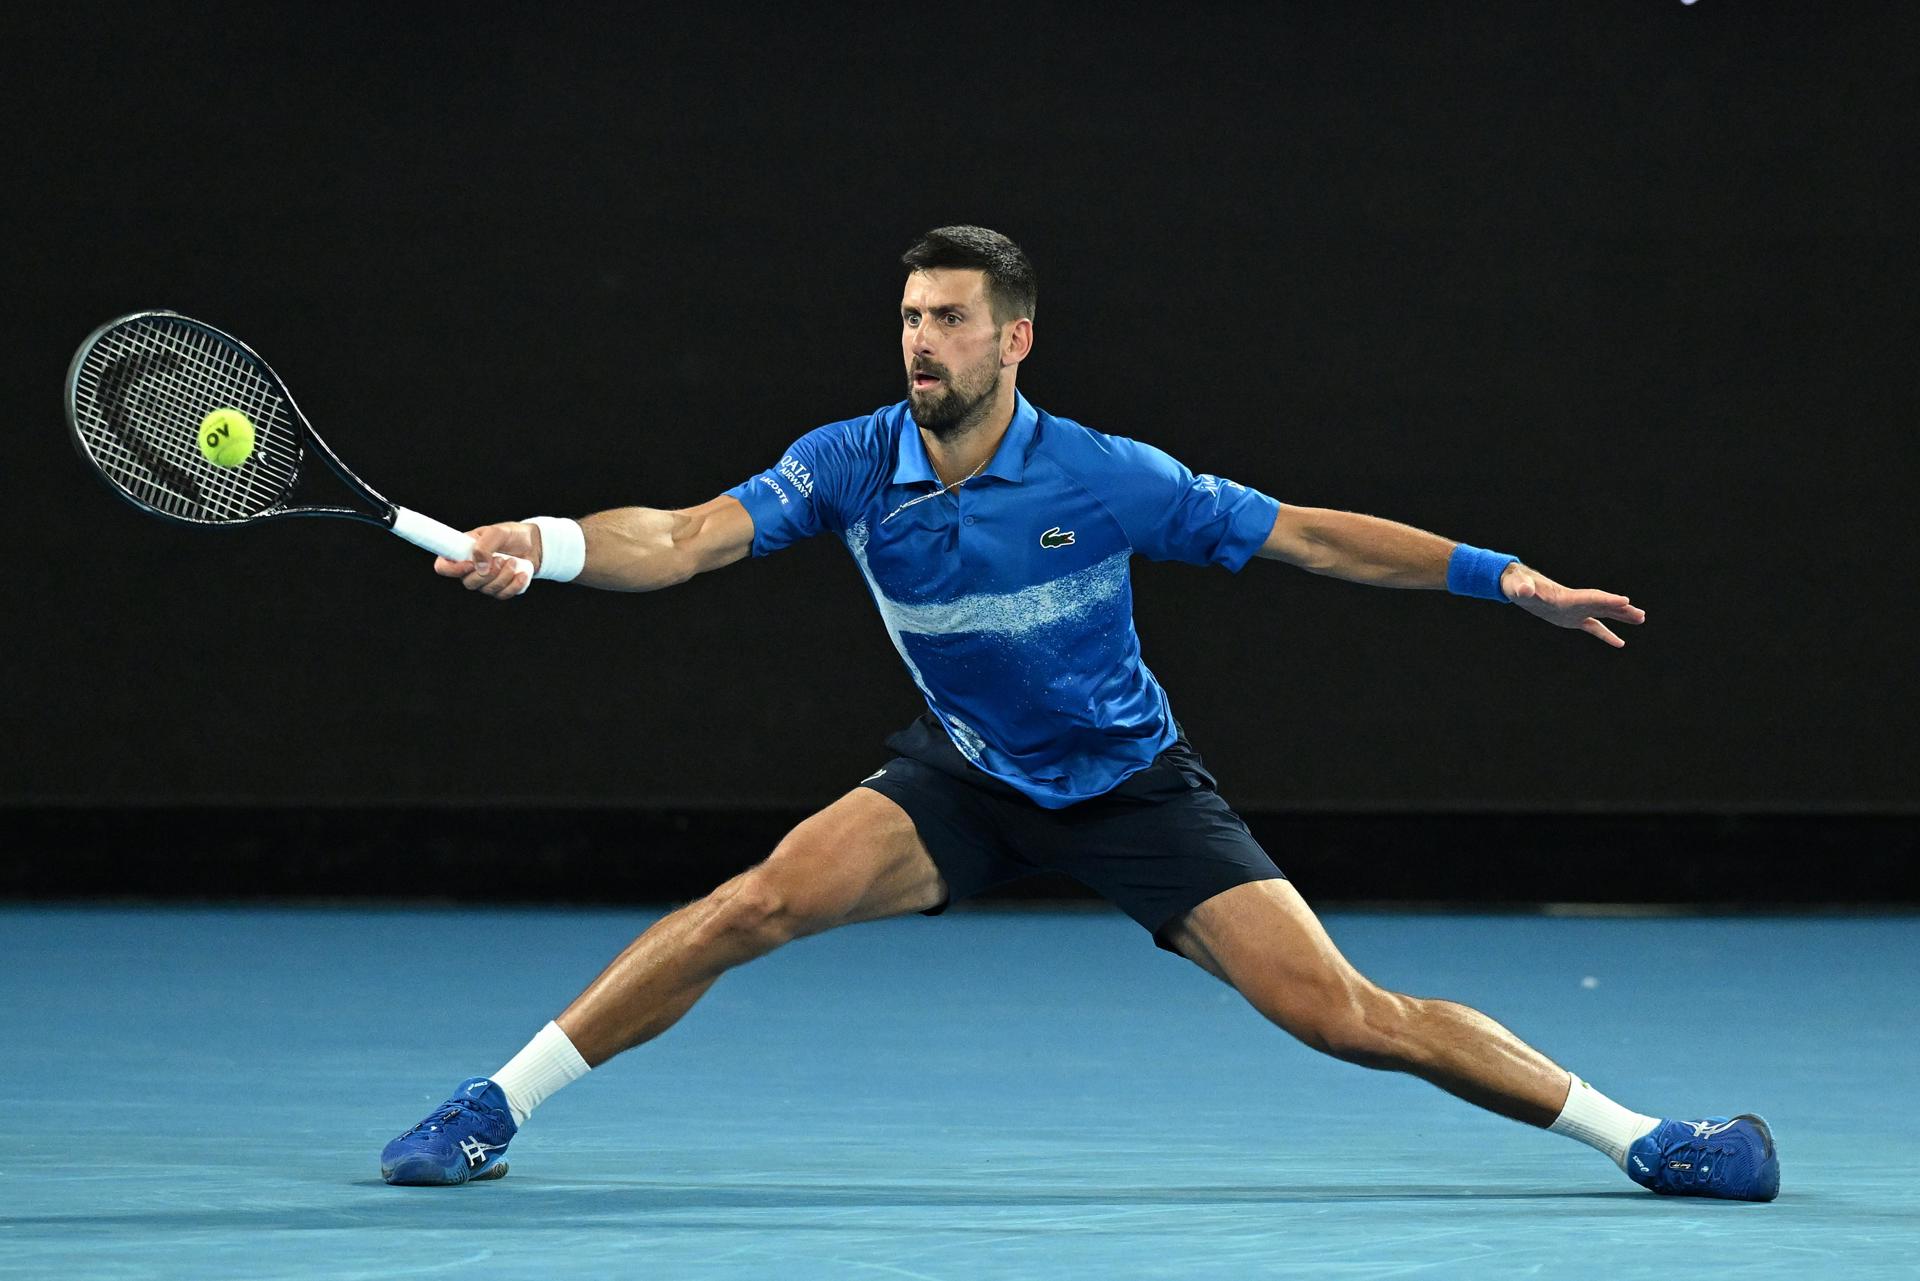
[{"x": 1054, "y": 538}]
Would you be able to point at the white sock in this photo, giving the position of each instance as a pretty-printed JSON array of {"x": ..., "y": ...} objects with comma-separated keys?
[
  {"x": 1599, "y": 1122},
  {"x": 548, "y": 1062}
]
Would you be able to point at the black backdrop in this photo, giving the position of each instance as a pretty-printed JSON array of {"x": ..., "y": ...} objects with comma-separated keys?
[{"x": 1623, "y": 288}]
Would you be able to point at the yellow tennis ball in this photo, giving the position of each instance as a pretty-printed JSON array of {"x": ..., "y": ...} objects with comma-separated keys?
[{"x": 226, "y": 437}]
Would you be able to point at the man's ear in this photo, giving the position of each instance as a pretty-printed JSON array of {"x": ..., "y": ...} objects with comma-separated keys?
[{"x": 1016, "y": 342}]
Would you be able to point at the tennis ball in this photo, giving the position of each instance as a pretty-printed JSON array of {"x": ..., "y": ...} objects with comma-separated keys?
[{"x": 226, "y": 437}]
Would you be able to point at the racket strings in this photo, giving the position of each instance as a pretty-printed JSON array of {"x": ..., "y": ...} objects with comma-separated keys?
[{"x": 140, "y": 395}]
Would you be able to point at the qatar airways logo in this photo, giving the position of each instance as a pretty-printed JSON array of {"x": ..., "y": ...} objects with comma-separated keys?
[
  {"x": 1211, "y": 484},
  {"x": 797, "y": 475}
]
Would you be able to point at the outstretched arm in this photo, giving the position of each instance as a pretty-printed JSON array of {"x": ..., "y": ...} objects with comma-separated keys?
[
  {"x": 628, "y": 549},
  {"x": 1366, "y": 549}
]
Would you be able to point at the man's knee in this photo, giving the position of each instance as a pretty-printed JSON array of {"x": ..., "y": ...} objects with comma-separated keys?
[
  {"x": 767, "y": 906},
  {"x": 755, "y": 913},
  {"x": 1355, "y": 1021},
  {"x": 746, "y": 908}
]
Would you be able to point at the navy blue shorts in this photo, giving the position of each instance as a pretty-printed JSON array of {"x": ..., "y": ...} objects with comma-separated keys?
[{"x": 1157, "y": 846}]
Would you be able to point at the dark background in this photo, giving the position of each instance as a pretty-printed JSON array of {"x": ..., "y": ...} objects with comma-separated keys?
[{"x": 1624, "y": 289}]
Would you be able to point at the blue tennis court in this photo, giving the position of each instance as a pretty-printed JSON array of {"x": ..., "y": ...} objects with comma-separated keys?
[{"x": 1000, "y": 1093}]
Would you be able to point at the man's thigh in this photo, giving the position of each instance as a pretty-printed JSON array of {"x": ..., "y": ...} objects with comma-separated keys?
[
  {"x": 859, "y": 859},
  {"x": 960, "y": 824},
  {"x": 1157, "y": 855},
  {"x": 1264, "y": 940}
]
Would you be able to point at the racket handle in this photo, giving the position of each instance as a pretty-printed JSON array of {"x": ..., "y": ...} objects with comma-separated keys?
[
  {"x": 443, "y": 540},
  {"x": 425, "y": 531}
]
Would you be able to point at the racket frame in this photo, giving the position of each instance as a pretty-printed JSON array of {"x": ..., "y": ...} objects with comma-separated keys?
[
  {"x": 303, "y": 436},
  {"x": 422, "y": 531}
]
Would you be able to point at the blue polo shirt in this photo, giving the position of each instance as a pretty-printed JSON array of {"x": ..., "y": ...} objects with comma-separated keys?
[{"x": 1009, "y": 598}]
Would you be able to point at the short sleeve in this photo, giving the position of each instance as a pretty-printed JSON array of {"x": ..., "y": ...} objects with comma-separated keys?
[
  {"x": 1169, "y": 513},
  {"x": 806, "y": 491}
]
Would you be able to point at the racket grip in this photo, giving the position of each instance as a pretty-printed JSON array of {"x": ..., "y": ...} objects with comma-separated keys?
[
  {"x": 426, "y": 532},
  {"x": 443, "y": 540}
]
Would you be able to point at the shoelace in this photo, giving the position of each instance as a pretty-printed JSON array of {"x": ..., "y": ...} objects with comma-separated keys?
[
  {"x": 453, "y": 1108},
  {"x": 1701, "y": 1155}
]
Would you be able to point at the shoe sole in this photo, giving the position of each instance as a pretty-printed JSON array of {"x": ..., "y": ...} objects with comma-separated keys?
[{"x": 424, "y": 1174}]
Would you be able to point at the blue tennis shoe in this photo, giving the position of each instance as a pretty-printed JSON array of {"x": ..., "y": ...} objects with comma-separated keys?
[
  {"x": 464, "y": 1140},
  {"x": 1717, "y": 1157}
]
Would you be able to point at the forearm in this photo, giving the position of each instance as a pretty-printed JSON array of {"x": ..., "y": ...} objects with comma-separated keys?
[
  {"x": 1367, "y": 549},
  {"x": 639, "y": 549}
]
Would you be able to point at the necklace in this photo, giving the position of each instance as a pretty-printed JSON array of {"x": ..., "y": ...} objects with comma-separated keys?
[{"x": 936, "y": 493}]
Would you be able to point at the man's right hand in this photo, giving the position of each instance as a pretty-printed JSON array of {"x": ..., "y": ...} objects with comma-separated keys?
[{"x": 493, "y": 569}]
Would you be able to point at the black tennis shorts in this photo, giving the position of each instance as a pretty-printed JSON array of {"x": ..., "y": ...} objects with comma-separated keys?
[{"x": 1157, "y": 846}]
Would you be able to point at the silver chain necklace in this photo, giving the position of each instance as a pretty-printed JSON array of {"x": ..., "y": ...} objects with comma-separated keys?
[{"x": 936, "y": 493}]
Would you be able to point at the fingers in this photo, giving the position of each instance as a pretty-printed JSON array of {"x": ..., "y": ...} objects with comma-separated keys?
[
  {"x": 1594, "y": 627},
  {"x": 501, "y": 577},
  {"x": 1581, "y": 608},
  {"x": 487, "y": 540},
  {"x": 509, "y": 538},
  {"x": 1609, "y": 607},
  {"x": 1604, "y": 605},
  {"x": 499, "y": 566}
]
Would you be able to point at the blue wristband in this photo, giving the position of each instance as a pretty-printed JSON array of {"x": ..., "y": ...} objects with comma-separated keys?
[{"x": 1475, "y": 571}]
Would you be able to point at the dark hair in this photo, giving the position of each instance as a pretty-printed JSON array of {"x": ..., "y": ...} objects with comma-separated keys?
[{"x": 1011, "y": 288}]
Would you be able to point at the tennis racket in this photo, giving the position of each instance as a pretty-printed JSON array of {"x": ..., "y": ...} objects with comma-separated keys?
[{"x": 137, "y": 391}]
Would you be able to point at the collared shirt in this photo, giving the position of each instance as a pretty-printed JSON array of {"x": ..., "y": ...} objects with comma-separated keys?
[{"x": 1009, "y": 596}]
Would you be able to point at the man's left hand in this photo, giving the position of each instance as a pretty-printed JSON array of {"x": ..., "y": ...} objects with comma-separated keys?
[{"x": 1583, "y": 608}]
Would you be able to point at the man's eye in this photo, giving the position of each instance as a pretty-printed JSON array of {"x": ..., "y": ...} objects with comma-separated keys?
[
  {"x": 951, "y": 318},
  {"x": 911, "y": 320}
]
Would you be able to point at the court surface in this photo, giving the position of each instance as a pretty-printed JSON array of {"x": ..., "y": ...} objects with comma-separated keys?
[{"x": 992, "y": 1094}]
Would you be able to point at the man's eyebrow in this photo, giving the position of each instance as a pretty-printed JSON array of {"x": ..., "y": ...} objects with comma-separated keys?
[{"x": 937, "y": 308}]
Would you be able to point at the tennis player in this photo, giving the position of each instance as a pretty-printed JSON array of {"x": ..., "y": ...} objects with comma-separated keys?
[{"x": 996, "y": 539}]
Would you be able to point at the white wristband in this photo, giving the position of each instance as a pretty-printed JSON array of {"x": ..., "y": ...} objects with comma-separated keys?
[{"x": 563, "y": 548}]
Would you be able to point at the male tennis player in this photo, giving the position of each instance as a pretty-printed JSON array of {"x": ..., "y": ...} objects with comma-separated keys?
[{"x": 996, "y": 539}]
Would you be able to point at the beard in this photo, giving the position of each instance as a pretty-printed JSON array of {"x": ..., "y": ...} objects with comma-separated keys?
[{"x": 951, "y": 408}]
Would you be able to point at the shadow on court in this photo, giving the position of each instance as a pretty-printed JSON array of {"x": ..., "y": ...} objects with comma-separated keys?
[{"x": 572, "y": 1205}]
